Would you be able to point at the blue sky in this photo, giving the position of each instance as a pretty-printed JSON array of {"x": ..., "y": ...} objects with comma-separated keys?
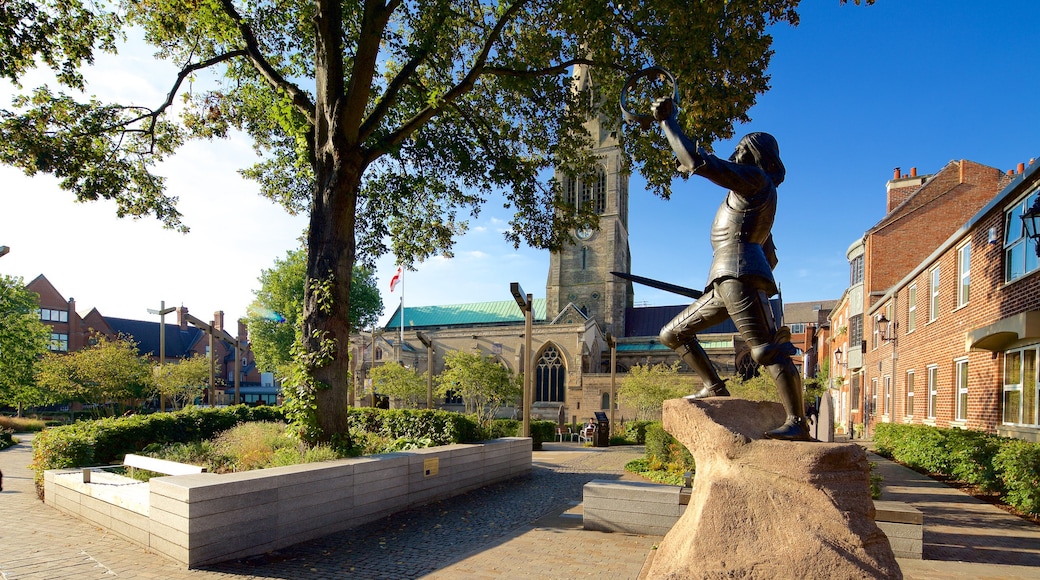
[{"x": 856, "y": 91}]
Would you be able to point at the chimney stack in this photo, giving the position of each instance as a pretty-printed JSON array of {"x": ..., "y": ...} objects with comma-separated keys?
[
  {"x": 218, "y": 320},
  {"x": 181, "y": 320}
]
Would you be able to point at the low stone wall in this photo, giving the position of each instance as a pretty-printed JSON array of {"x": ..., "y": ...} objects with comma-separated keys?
[{"x": 206, "y": 518}]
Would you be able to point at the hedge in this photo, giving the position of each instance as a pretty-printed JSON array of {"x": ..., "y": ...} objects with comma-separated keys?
[
  {"x": 442, "y": 427},
  {"x": 1010, "y": 467}
]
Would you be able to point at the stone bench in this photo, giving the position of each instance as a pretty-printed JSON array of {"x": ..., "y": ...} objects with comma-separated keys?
[
  {"x": 633, "y": 507},
  {"x": 904, "y": 526},
  {"x": 652, "y": 509}
]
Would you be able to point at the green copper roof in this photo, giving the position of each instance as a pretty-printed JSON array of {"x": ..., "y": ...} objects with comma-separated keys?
[{"x": 501, "y": 312}]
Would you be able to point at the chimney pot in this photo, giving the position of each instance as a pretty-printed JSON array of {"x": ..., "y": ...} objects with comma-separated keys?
[
  {"x": 913, "y": 172},
  {"x": 1010, "y": 171},
  {"x": 1021, "y": 168},
  {"x": 895, "y": 173}
]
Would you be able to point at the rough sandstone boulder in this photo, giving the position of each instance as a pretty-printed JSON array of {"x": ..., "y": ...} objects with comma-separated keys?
[{"x": 769, "y": 509}]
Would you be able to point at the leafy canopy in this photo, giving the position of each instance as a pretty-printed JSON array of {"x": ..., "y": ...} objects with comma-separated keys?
[
  {"x": 275, "y": 317},
  {"x": 647, "y": 387},
  {"x": 400, "y": 383},
  {"x": 23, "y": 340},
  {"x": 484, "y": 385},
  {"x": 443, "y": 102}
]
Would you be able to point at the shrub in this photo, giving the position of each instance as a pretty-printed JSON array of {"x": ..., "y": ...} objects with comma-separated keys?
[
  {"x": 971, "y": 458},
  {"x": 443, "y": 427},
  {"x": 1018, "y": 463},
  {"x": 662, "y": 447},
  {"x": 542, "y": 431},
  {"x": 635, "y": 431},
  {"x": 504, "y": 428}
]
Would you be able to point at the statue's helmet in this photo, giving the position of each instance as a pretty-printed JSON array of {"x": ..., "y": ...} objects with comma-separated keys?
[{"x": 766, "y": 151}]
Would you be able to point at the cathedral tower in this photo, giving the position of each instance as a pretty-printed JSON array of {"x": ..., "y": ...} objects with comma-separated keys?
[{"x": 580, "y": 272}]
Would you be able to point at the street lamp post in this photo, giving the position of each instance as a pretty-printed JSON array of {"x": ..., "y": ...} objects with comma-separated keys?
[
  {"x": 162, "y": 312},
  {"x": 524, "y": 302}
]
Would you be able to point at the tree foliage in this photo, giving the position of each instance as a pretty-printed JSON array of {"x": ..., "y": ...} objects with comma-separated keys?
[
  {"x": 400, "y": 383},
  {"x": 275, "y": 317},
  {"x": 104, "y": 373},
  {"x": 23, "y": 340},
  {"x": 182, "y": 381},
  {"x": 647, "y": 387},
  {"x": 484, "y": 385},
  {"x": 389, "y": 121}
]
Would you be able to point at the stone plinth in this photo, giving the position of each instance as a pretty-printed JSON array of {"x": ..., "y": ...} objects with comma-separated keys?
[{"x": 769, "y": 509}]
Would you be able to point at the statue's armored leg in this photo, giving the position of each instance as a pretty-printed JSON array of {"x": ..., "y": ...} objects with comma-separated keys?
[
  {"x": 680, "y": 336},
  {"x": 770, "y": 348}
]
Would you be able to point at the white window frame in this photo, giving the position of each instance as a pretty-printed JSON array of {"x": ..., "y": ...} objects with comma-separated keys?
[
  {"x": 1019, "y": 385},
  {"x": 961, "y": 389},
  {"x": 963, "y": 274},
  {"x": 873, "y": 396},
  {"x": 933, "y": 294},
  {"x": 909, "y": 411},
  {"x": 933, "y": 390},
  {"x": 887, "y": 381},
  {"x": 911, "y": 308},
  {"x": 1020, "y": 257}
]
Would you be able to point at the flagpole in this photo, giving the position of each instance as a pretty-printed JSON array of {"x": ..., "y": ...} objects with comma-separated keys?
[{"x": 400, "y": 347}]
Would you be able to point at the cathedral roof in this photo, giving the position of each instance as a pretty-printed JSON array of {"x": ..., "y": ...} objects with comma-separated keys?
[{"x": 499, "y": 312}]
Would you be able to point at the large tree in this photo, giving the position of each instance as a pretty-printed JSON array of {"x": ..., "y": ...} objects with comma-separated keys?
[
  {"x": 484, "y": 385},
  {"x": 107, "y": 372},
  {"x": 23, "y": 340},
  {"x": 275, "y": 318},
  {"x": 384, "y": 119}
]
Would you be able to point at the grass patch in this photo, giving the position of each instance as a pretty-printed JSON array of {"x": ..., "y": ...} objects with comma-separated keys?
[{"x": 22, "y": 424}]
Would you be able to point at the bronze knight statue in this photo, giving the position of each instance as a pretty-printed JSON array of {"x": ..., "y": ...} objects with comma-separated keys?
[{"x": 740, "y": 281}]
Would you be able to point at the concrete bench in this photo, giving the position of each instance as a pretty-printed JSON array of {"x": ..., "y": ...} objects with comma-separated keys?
[
  {"x": 150, "y": 464},
  {"x": 904, "y": 526},
  {"x": 632, "y": 507}
]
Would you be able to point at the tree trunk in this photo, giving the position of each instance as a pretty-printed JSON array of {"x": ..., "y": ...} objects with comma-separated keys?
[{"x": 326, "y": 310}]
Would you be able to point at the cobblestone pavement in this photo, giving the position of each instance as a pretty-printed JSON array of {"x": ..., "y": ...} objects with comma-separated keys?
[{"x": 525, "y": 528}]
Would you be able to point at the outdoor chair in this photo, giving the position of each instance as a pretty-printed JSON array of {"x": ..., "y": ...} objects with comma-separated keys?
[{"x": 562, "y": 432}]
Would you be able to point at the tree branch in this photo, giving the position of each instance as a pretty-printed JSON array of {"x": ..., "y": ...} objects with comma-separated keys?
[
  {"x": 300, "y": 99},
  {"x": 464, "y": 86}
]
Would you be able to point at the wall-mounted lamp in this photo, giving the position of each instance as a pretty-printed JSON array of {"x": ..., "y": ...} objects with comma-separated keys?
[
  {"x": 886, "y": 329},
  {"x": 1031, "y": 221},
  {"x": 839, "y": 358}
]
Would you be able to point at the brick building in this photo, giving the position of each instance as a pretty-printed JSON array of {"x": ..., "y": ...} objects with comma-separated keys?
[
  {"x": 950, "y": 338},
  {"x": 71, "y": 332}
]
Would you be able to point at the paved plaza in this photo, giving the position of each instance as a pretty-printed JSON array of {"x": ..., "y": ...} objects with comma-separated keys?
[{"x": 525, "y": 528}]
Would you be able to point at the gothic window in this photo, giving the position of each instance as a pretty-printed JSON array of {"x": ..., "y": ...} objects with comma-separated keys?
[
  {"x": 550, "y": 376},
  {"x": 569, "y": 191},
  {"x": 599, "y": 191}
]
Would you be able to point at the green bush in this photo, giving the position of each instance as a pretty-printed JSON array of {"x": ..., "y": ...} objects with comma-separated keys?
[
  {"x": 504, "y": 428},
  {"x": 442, "y": 427},
  {"x": 918, "y": 446},
  {"x": 635, "y": 431},
  {"x": 22, "y": 424},
  {"x": 542, "y": 431},
  {"x": 662, "y": 448},
  {"x": 971, "y": 458},
  {"x": 1018, "y": 464}
]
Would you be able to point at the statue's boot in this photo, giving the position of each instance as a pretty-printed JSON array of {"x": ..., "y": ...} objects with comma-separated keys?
[
  {"x": 710, "y": 391},
  {"x": 789, "y": 388},
  {"x": 794, "y": 429},
  {"x": 693, "y": 354}
]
